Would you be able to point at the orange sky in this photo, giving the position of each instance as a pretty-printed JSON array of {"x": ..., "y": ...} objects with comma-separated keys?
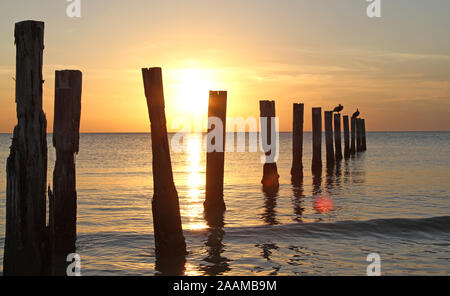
[{"x": 394, "y": 69}]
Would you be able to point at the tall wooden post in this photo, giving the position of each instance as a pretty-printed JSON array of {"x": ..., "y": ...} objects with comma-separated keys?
[
  {"x": 66, "y": 135},
  {"x": 317, "y": 139},
  {"x": 329, "y": 137},
  {"x": 353, "y": 139},
  {"x": 346, "y": 137},
  {"x": 363, "y": 141},
  {"x": 215, "y": 159},
  {"x": 337, "y": 136},
  {"x": 358, "y": 135},
  {"x": 297, "y": 142},
  {"x": 270, "y": 171},
  {"x": 169, "y": 238},
  {"x": 26, "y": 251}
]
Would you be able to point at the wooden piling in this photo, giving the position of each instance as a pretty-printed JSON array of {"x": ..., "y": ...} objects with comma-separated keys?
[
  {"x": 353, "y": 139},
  {"x": 297, "y": 142},
  {"x": 214, "y": 201},
  {"x": 346, "y": 137},
  {"x": 169, "y": 238},
  {"x": 363, "y": 141},
  {"x": 358, "y": 135},
  {"x": 329, "y": 137},
  {"x": 317, "y": 140},
  {"x": 26, "y": 249},
  {"x": 337, "y": 137},
  {"x": 66, "y": 135},
  {"x": 270, "y": 172}
]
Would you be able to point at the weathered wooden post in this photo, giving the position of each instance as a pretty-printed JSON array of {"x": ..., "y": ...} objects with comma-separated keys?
[
  {"x": 329, "y": 137},
  {"x": 337, "y": 136},
  {"x": 346, "y": 137},
  {"x": 317, "y": 140},
  {"x": 63, "y": 200},
  {"x": 353, "y": 139},
  {"x": 358, "y": 135},
  {"x": 297, "y": 142},
  {"x": 270, "y": 171},
  {"x": 169, "y": 238},
  {"x": 363, "y": 141},
  {"x": 26, "y": 250},
  {"x": 215, "y": 156}
]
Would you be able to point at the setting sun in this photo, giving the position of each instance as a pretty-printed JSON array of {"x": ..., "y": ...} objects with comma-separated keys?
[{"x": 191, "y": 90}]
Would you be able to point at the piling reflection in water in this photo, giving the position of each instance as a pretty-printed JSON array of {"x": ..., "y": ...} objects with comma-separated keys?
[
  {"x": 338, "y": 180},
  {"x": 297, "y": 200},
  {"x": 216, "y": 264},
  {"x": 267, "y": 250},
  {"x": 269, "y": 216},
  {"x": 317, "y": 183},
  {"x": 329, "y": 180}
]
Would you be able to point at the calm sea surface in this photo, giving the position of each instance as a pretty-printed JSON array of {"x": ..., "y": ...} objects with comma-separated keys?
[{"x": 393, "y": 200}]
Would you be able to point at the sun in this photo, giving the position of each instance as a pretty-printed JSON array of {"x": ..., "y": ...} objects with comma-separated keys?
[{"x": 191, "y": 90}]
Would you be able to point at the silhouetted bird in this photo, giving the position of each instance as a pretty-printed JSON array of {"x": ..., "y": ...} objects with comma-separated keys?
[
  {"x": 338, "y": 108},
  {"x": 356, "y": 114}
]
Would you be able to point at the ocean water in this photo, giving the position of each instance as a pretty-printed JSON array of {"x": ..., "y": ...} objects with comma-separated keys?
[{"x": 393, "y": 200}]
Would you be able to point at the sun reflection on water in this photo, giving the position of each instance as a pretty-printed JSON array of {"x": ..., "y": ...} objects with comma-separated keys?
[
  {"x": 191, "y": 270},
  {"x": 193, "y": 209}
]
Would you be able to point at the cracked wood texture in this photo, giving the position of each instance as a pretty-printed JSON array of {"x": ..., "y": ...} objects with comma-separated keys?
[{"x": 25, "y": 240}]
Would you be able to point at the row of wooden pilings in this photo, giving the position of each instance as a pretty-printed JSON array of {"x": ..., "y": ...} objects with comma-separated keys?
[
  {"x": 33, "y": 247},
  {"x": 169, "y": 239},
  {"x": 353, "y": 144}
]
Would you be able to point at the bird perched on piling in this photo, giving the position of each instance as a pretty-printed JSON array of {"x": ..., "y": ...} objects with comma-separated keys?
[
  {"x": 356, "y": 114},
  {"x": 338, "y": 108}
]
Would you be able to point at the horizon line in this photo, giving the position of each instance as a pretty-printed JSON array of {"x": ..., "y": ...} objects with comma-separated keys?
[{"x": 204, "y": 132}]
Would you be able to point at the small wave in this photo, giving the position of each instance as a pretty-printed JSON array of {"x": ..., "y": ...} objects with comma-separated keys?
[
  {"x": 381, "y": 227},
  {"x": 424, "y": 228}
]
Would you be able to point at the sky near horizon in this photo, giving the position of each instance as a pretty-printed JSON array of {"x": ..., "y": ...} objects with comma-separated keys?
[{"x": 395, "y": 69}]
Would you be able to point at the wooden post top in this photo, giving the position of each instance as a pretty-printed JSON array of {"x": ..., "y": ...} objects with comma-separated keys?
[
  {"x": 153, "y": 85},
  {"x": 68, "y": 79},
  {"x": 36, "y": 28},
  {"x": 218, "y": 93},
  {"x": 29, "y": 24},
  {"x": 217, "y": 105},
  {"x": 267, "y": 108}
]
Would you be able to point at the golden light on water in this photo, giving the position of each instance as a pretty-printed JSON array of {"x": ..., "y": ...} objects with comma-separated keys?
[
  {"x": 191, "y": 270},
  {"x": 196, "y": 184}
]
